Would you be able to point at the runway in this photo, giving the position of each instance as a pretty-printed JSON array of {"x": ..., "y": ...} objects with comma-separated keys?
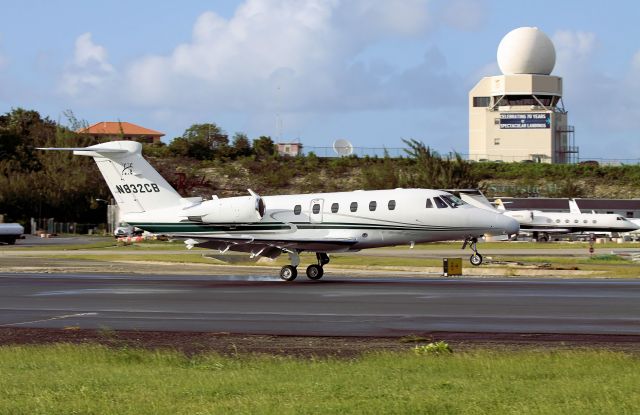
[{"x": 335, "y": 307}]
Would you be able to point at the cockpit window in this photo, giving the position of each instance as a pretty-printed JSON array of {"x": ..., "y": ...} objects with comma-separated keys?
[
  {"x": 620, "y": 218},
  {"x": 429, "y": 204},
  {"x": 440, "y": 203},
  {"x": 452, "y": 201}
]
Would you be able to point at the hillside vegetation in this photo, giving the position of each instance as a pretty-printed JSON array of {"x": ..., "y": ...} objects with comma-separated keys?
[{"x": 203, "y": 161}]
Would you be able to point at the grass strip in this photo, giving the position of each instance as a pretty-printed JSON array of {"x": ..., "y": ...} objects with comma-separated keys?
[{"x": 64, "y": 379}]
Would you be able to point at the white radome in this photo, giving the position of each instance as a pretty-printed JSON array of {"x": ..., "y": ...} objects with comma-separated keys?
[{"x": 526, "y": 50}]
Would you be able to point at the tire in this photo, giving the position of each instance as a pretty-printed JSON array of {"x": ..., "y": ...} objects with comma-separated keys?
[
  {"x": 475, "y": 259},
  {"x": 288, "y": 273},
  {"x": 314, "y": 272}
]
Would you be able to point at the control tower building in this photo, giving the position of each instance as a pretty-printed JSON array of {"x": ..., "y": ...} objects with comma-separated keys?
[{"x": 519, "y": 115}]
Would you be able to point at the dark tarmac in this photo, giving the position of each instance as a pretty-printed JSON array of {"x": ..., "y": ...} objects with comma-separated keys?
[{"x": 340, "y": 306}]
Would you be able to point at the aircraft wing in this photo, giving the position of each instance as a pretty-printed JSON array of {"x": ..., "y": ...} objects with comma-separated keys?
[{"x": 271, "y": 248}]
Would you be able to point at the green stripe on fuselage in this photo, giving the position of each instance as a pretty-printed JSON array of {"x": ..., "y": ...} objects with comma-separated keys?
[{"x": 179, "y": 227}]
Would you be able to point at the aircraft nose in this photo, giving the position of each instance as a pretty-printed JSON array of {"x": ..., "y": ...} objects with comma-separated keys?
[{"x": 507, "y": 224}]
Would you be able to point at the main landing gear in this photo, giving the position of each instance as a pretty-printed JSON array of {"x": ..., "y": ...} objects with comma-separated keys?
[
  {"x": 475, "y": 258},
  {"x": 314, "y": 271}
]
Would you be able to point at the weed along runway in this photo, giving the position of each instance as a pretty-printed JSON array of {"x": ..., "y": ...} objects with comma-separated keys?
[{"x": 336, "y": 307}]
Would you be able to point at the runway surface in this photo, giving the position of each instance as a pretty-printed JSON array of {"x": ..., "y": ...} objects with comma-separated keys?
[{"x": 335, "y": 307}]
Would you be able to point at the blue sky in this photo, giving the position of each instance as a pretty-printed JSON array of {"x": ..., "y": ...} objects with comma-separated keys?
[{"x": 373, "y": 72}]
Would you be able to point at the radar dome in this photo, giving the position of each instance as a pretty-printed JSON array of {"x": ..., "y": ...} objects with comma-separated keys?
[{"x": 526, "y": 50}]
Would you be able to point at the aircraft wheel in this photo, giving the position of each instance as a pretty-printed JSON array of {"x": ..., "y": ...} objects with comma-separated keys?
[
  {"x": 315, "y": 272},
  {"x": 288, "y": 273},
  {"x": 475, "y": 259}
]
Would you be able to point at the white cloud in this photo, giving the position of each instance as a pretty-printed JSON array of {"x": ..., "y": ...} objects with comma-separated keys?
[
  {"x": 573, "y": 49},
  {"x": 90, "y": 69},
  {"x": 601, "y": 104},
  {"x": 280, "y": 54}
]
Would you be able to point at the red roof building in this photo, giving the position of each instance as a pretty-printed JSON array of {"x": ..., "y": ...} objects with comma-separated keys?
[{"x": 108, "y": 130}]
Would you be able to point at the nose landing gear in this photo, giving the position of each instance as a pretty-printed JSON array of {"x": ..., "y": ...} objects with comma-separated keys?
[{"x": 475, "y": 258}]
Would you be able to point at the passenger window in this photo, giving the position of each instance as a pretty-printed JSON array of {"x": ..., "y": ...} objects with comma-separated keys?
[
  {"x": 373, "y": 205},
  {"x": 316, "y": 208},
  {"x": 566, "y": 221},
  {"x": 439, "y": 203},
  {"x": 585, "y": 221},
  {"x": 334, "y": 208},
  {"x": 576, "y": 221},
  {"x": 354, "y": 206},
  {"x": 297, "y": 209},
  {"x": 595, "y": 221},
  {"x": 429, "y": 204},
  {"x": 392, "y": 205},
  {"x": 557, "y": 220}
]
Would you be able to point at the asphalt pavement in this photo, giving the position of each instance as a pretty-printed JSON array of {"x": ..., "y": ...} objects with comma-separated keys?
[{"x": 262, "y": 304}]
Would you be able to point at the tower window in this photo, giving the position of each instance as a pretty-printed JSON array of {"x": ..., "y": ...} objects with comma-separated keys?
[
  {"x": 481, "y": 101},
  {"x": 496, "y": 141}
]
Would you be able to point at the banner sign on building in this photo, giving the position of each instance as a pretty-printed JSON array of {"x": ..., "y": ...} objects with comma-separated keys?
[{"x": 532, "y": 120}]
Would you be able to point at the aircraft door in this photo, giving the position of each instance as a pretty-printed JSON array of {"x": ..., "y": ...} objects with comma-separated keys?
[{"x": 315, "y": 210}]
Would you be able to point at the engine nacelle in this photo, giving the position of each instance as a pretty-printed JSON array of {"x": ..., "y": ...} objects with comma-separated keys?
[{"x": 241, "y": 209}]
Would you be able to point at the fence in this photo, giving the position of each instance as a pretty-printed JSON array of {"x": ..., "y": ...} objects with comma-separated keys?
[
  {"x": 50, "y": 226},
  {"x": 396, "y": 152}
]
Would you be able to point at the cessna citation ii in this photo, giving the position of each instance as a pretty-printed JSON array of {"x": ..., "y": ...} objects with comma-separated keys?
[{"x": 270, "y": 226}]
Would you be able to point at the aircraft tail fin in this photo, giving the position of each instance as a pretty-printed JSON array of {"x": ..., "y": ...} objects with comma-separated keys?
[
  {"x": 136, "y": 186},
  {"x": 573, "y": 206}
]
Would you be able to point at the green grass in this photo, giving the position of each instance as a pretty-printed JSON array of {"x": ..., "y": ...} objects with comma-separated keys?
[{"x": 66, "y": 379}]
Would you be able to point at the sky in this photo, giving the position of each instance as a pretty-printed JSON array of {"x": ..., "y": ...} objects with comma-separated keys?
[{"x": 373, "y": 72}]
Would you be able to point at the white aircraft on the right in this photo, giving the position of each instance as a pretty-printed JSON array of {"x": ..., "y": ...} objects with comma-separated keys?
[{"x": 541, "y": 224}]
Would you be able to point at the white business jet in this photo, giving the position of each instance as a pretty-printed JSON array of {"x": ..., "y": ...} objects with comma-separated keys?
[
  {"x": 542, "y": 224},
  {"x": 270, "y": 226}
]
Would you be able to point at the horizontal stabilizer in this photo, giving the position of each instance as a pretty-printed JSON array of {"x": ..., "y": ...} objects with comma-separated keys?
[{"x": 92, "y": 149}]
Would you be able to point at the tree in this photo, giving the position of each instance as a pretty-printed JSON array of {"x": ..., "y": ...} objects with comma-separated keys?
[
  {"x": 432, "y": 171},
  {"x": 384, "y": 174},
  {"x": 241, "y": 145},
  {"x": 201, "y": 141},
  {"x": 264, "y": 147},
  {"x": 49, "y": 184}
]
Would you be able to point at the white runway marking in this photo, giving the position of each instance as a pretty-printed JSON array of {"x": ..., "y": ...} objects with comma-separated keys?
[
  {"x": 118, "y": 291},
  {"x": 52, "y": 318}
]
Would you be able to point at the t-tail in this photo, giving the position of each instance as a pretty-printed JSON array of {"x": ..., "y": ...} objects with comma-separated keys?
[{"x": 136, "y": 186}]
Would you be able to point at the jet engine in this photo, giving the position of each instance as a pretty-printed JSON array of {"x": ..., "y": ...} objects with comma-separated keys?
[{"x": 242, "y": 209}]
